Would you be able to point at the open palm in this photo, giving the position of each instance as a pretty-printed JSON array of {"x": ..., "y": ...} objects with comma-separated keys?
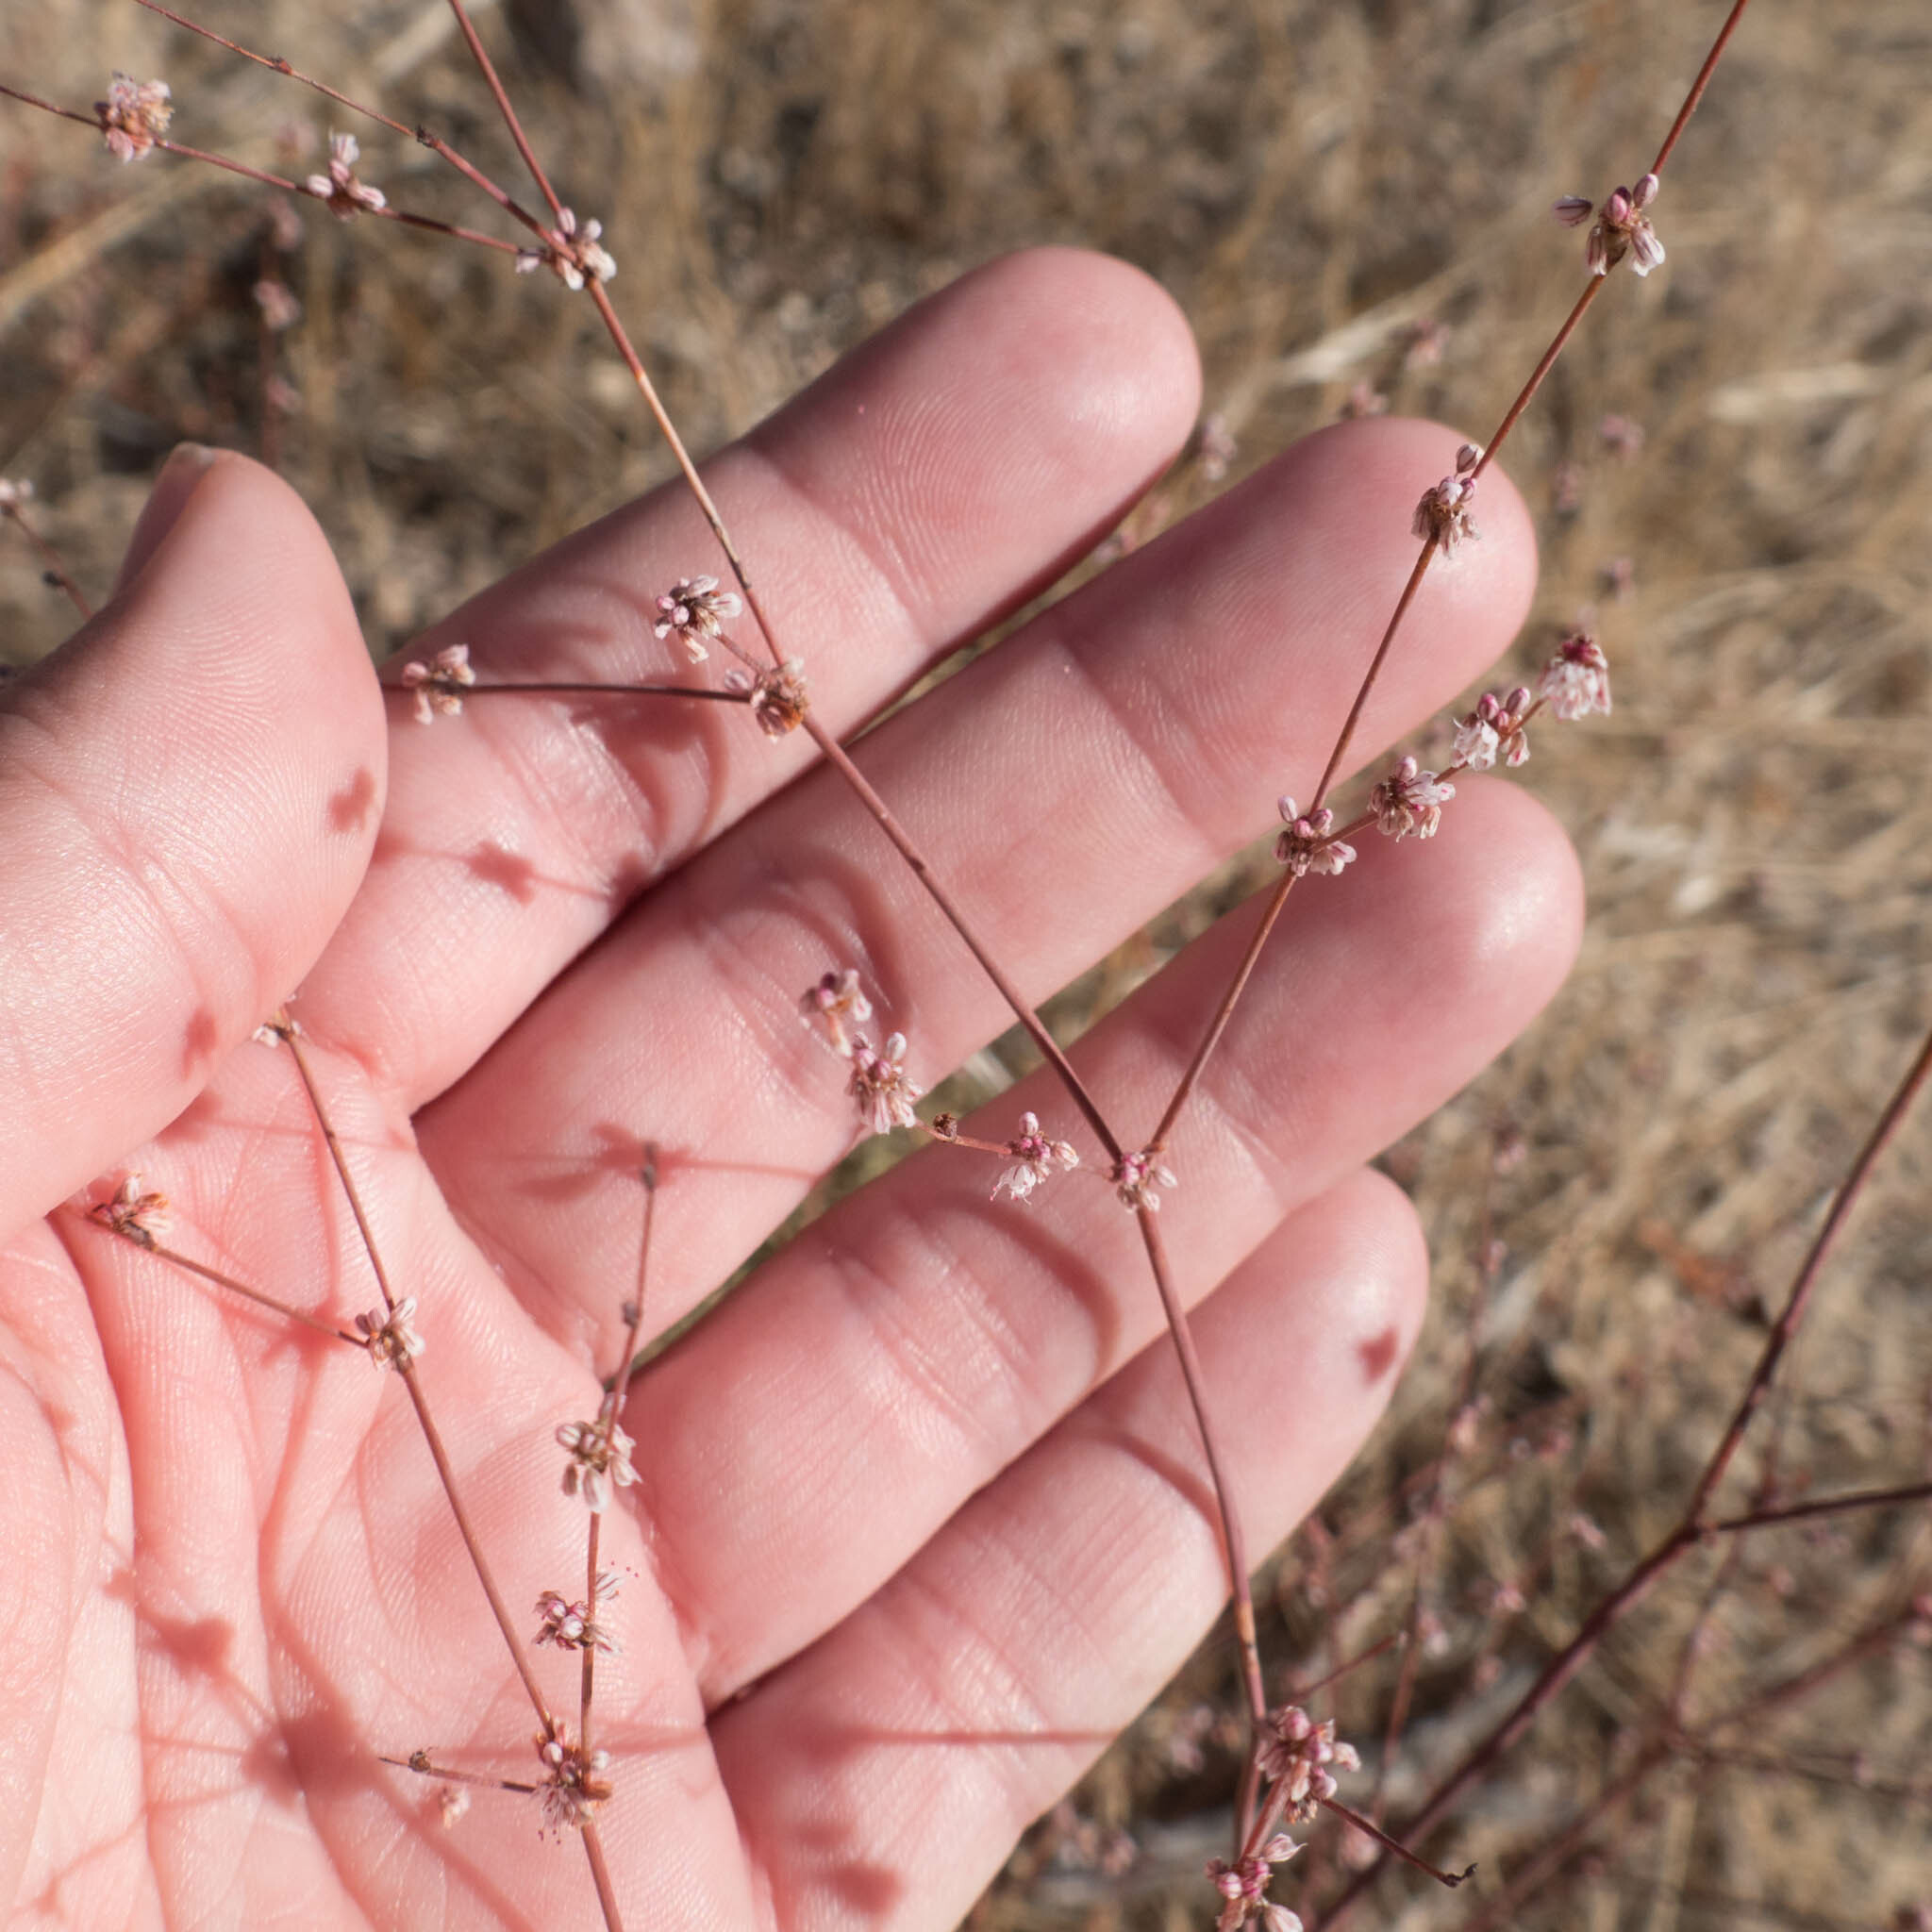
[{"x": 919, "y": 1521}]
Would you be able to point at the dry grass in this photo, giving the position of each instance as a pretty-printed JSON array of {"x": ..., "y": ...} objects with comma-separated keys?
[{"x": 1308, "y": 178}]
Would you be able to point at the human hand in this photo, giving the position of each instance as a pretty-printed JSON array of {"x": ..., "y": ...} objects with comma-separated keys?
[{"x": 919, "y": 1521}]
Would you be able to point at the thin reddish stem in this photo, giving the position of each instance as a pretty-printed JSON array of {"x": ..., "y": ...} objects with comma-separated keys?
[
  {"x": 1224, "y": 1012},
  {"x": 56, "y": 572},
  {"x": 488, "y": 70},
  {"x": 1825, "y": 1506},
  {"x": 600, "y": 1876},
  {"x": 286, "y": 1030},
  {"x": 1233, "y": 1544},
  {"x": 538, "y": 689},
  {"x": 1691, "y": 1530},
  {"x": 519, "y": 1656},
  {"x": 405, "y": 1367},
  {"x": 687, "y": 467},
  {"x": 1799, "y": 1299},
  {"x": 215, "y": 1277},
  {"x": 840, "y": 762},
  {"x": 1449, "y": 1879},
  {"x": 434, "y": 142},
  {"x": 423, "y": 1766},
  {"x": 1697, "y": 87}
]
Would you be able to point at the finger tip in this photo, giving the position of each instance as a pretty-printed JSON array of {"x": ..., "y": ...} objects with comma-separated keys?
[{"x": 1117, "y": 324}]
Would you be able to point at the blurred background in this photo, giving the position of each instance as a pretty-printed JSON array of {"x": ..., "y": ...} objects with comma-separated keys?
[{"x": 1732, "y": 472}]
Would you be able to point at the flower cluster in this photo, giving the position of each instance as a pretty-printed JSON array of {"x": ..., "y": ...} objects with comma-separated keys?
[
  {"x": 572, "y": 253},
  {"x": 389, "y": 1340},
  {"x": 879, "y": 1084},
  {"x": 439, "y": 683},
  {"x": 575, "y": 1625},
  {"x": 1243, "y": 1887},
  {"x": 1409, "y": 802},
  {"x": 339, "y": 187},
  {"x": 1306, "y": 845},
  {"x": 1034, "y": 1159},
  {"x": 778, "y": 697},
  {"x": 884, "y": 1093},
  {"x": 695, "y": 609},
  {"x": 1135, "y": 1177},
  {"x": 835, "y": 999},
  {"x": 1621, "y": 227},
  {"x": 134, "y": 116},
  {"x": 1443, "y": 516},
  {"x": 1494, "y": 729},
  {"x": 135, "y": 1214},
  {"x": 599, "y": 1458},
  {"x": 1577, "y": 681},
  {"x": 1295, "y": 1756},
  {"x": 574, "y": 1782}
]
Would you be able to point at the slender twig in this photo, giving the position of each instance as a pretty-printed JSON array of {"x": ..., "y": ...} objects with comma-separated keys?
[
  {"x": 55, "y": 571},
  {"x": 1451, "y": 1879},
  {"x": 600, "y": 1875},
  {"x": 488, "y": 70},
  {"x": 1825, "y": 1505},
  {"x": 840, "y": 762},
  {"x": 1692, "y": 1529},
  {"x": 425, "y": 1766},
  {"x": 1697, "y": 87},
  {"x": 538, "y": 688},
  {"x": 286, "y": 1031},
  {"x": 687, "y": 467},
  {"x": 214, "y": 1276},
  {"x": 405, "y": 1367},
  {"x": 519, "y": 1656},
  {"x": 1799, "y": 1299}
]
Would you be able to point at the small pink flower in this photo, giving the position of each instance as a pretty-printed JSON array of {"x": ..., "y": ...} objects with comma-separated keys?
[
  {"x": 1135, "y": 1177},
  {"x": 1424, "y": 341},
  {"x": 1623, "y": 436},
  {"x": 389, "y": 1340},
  {"x": 1295, "y": 1755},
  {"x": 1308, "y": 844},
  {"x": 778, "y": 697},
  {"x": 276, "y": 301},
  {"x": 135, "y": 1213},
  {"x": 837, "y": 999},
  {"x": 1577, "y": 681},
  {"x": 439, "y": 683},
  {"x": 339, "y": 187},
  {"x": 599, "y": 1458},
  {"x": 1365, "y": 399},
  {"x": 575, "y": 1783},
  {"x": 13, "y": 495},
  {"x": 695, "y": 609},
  {"x": 1443, "y": 516},
  {"x": 880, "y": 1085},
  {"x": 1215, "y": 447},
  {"x": 134, "y": 116},
  {"x": 575, "y": 1625},
  {"x": 1587, "y": 1530},
  {"x": 1034, "y": 1159},
  {"x": 570, "y": 252},
  {"x": 1493, "y": 729},
  {"x": 1243, "y": 1887},
  {"x": 1409, "y": 802},
  {"x": 1621, "y": 227}
]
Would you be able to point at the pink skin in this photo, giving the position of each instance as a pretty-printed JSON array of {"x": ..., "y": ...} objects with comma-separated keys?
[{"x": 919, "y": 1521}]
